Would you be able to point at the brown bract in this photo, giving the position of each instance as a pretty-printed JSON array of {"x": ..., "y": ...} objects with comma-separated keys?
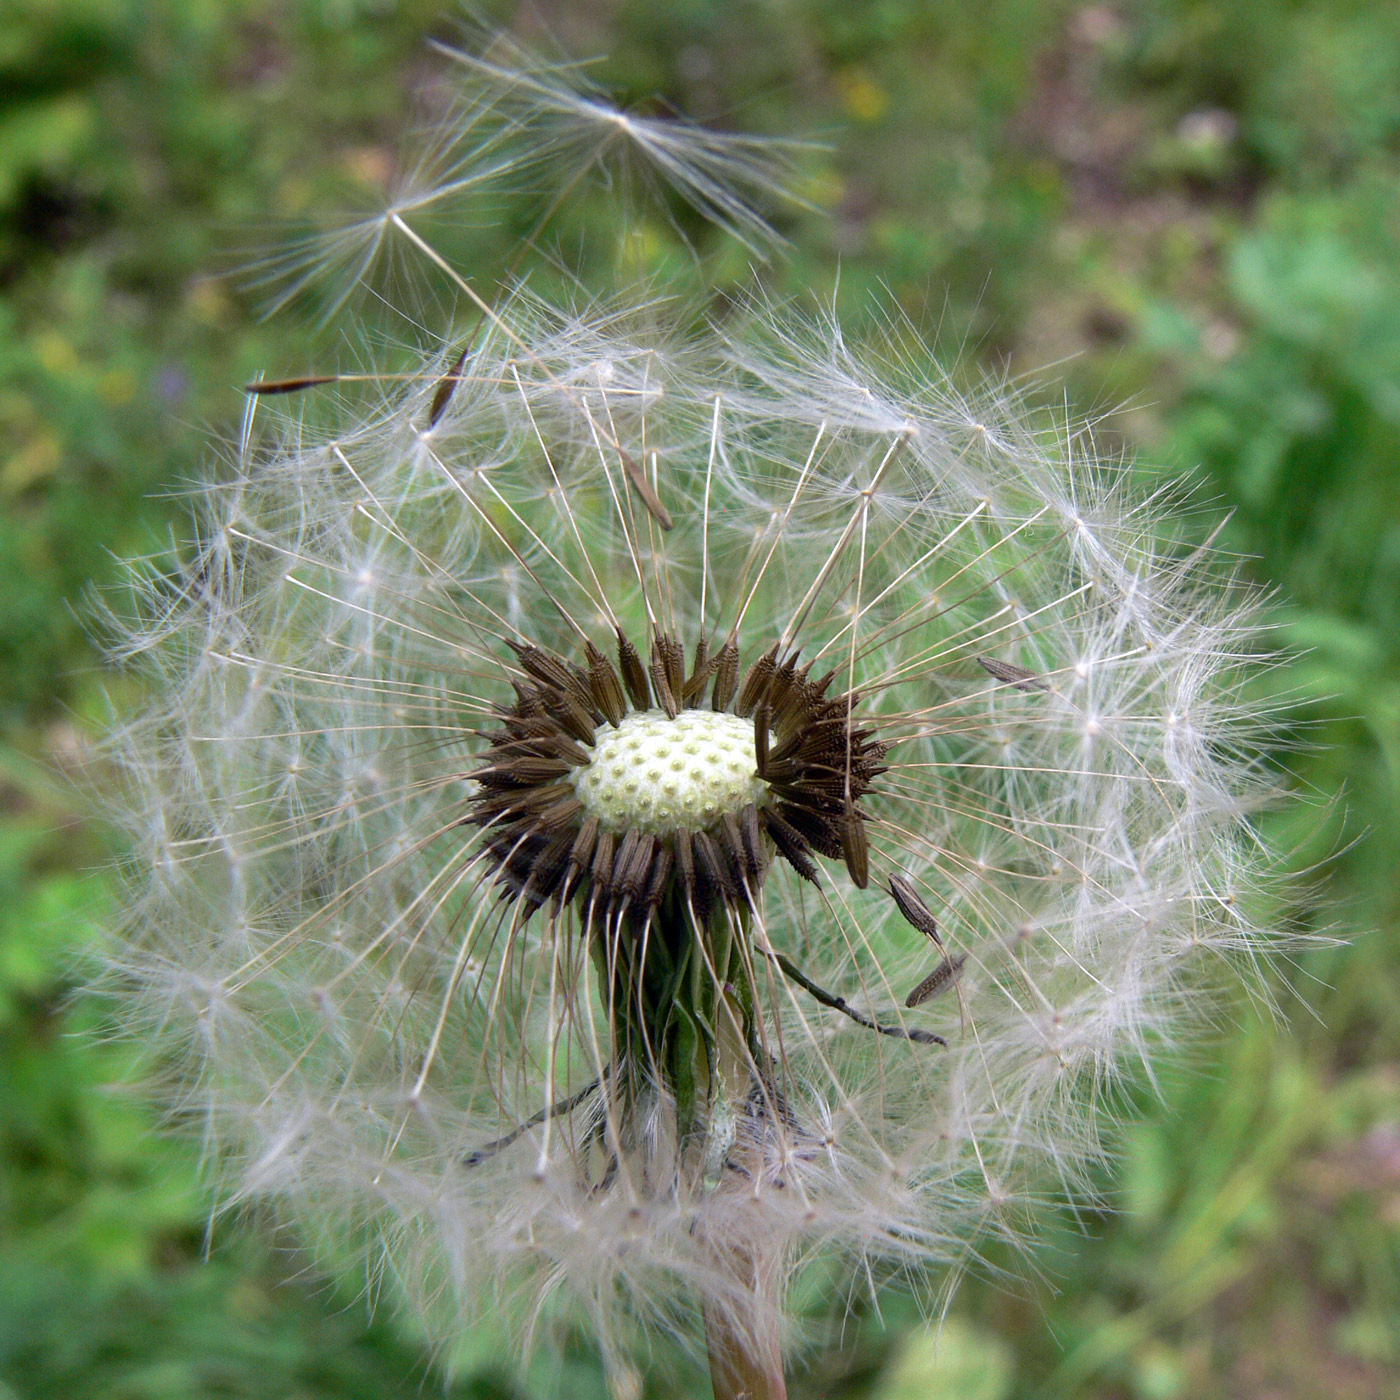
[{"x": 815, "y": 761}]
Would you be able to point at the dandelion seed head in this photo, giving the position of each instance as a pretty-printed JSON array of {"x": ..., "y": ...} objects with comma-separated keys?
[{"x": 545, "y": 811}]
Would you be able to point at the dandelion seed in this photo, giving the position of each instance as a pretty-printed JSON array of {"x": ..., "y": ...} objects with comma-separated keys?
[
  {"x": 547, "y": 787},
  {"x": 519, "y": 123}
]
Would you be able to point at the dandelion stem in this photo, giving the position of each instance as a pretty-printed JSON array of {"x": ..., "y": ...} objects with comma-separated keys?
[{"x": 746, "y": 1362}]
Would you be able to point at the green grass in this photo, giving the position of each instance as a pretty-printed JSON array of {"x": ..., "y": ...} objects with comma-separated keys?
[{"x": 1188, "y": 211}]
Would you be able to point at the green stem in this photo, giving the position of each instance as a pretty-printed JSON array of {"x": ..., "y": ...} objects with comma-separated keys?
[{"x": 684, "y": 1011}]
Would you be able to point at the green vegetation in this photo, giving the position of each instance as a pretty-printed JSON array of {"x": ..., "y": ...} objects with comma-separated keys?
[{"x": 1186, "y": 208}]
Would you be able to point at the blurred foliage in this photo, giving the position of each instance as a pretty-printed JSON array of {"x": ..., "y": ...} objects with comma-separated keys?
[{"x": 1190, "y": 209}]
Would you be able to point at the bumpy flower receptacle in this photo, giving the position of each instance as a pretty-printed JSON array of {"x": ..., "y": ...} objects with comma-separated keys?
[{"x": 660, "y": 775}]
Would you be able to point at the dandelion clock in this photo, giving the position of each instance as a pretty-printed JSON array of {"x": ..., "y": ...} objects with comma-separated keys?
[{"x": 626, "y": 817}]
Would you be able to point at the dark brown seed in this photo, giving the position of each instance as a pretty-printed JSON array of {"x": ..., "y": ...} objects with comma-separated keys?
[
  {"x": 605, "y": 687},
  {"x": 564, "y": 707},
  {"x": 854, "y": 849},
  {"x": 1011, "y": 674},
  {"x": 760, "y": 738},
  {"x": 821, "y": 789},
  {"x": 661, "y": 865},
  {"x": 685, "y": 860},
  {"x": 513, "y": 803},
  {"x": 634, "y": 873},
  {"x": 821, "y": 738},
  {"x": 700, "y": 891},
  {"x": 634, "y": 676},
  {"x": 667, "y": 646},
  {"x": 941, "y": 977},
  {"x": 289, "y": 386},
  {"x": 522, "y": 727},
  {"x": 564, "y": 747},
  {"x": 549, "y": 744},
  {"x": 915, "y": 911},
  {"x": 582, "y": 690},
  {"x": 726, "y": 676},
  {"x": 522, "y": 770},
  {"x": 791, "y": 846},
  {"x": 795, "y": 703},
  {"x": 636, "y": 474},
  {"x": 443, "y": 393},
  {"x": 713, "y": 867},
  {"x": 527, "y": 700},
  {"x": 602, "y": 868},
  {"x": 814, "y": 782},
  {"x": 564, "y": 812},
  {"x": 779, "y": 775},
  {"x": 660, "y": 683},
  {"x": 731, "y": 843},
  {"x": 819, "y": 831},
  {"x": 753, "y": 845},
  {"x": 580, "y": 857},
  {"x": 547, "y": 669},
  {"x": 622, "y": 858},
  {"x": 756, "y": 682},
  {"x": 547, "y": 870},
  {"x": 782, "y": 683},
  {"x": 700, "y": 671}
]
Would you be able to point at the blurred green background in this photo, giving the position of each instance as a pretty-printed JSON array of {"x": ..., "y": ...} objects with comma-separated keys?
[{"x": 1189, "y": 213}]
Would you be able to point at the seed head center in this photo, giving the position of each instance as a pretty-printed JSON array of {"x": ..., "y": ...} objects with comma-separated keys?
[{"x": 659, "y": 775}]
